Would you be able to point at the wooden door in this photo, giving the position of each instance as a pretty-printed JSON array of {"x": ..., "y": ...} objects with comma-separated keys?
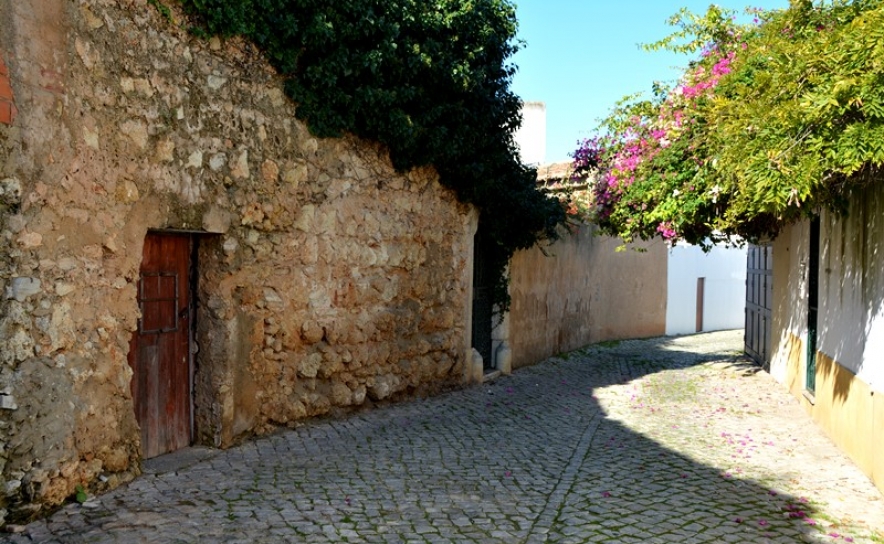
[
  {"x": 159, "y": 353},
  {"x": 759, "y": 303}
]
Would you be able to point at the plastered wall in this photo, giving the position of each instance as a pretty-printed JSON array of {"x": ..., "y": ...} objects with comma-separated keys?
[
  {"x": 848, "y": 401},
  {"x": 582, "y": 290}
]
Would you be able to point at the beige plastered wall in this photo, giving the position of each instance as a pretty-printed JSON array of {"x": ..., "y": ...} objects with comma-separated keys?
[
  {"x": 582, "y": 290},
  {"x": 848, "y": 401}
]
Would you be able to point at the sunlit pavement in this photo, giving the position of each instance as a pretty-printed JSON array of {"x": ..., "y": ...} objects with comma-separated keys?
[{"x": 662, "y": 440}]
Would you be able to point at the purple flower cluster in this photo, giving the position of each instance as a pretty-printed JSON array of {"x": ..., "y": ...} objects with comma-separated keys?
[
  {"x": 587, "y": 156},
  {"x": 666, "y": 231},
  {"x": 703, "y": 84},
  {"x": 643, "y": 139}
]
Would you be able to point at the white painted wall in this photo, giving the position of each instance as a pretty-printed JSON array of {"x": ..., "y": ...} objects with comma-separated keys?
[
  {"x": 724, "y": 294},
  {"x": 851, "y": 290},
  {"x": 851, "y": 314},
  {"x": 872, "y": 220},
  {"x": 790, "y": 255},
  {"x": 872, "y": 371},
  {"x": 840, "y": 291},
  {"x": 531, "y": 136}
]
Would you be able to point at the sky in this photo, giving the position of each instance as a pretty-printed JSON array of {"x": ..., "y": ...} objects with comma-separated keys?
[{"x": 582, "y": 56}]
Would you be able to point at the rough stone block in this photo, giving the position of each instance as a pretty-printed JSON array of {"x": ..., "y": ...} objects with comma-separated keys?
[
  {"x": 341, "y": 395},
  {"x": 217, "y": 220},
  {"x": 477, "y": 367},
  {"x": 10, "y": 190},
  {"x": 383, "y": 387},
  {"x": 309, "y": 365},
  {"x": 311, "y": 332},
  {"x": 504, "y": 359},
  {"x": 22, "y": 288},
  {"x": 7, "y": 402}
]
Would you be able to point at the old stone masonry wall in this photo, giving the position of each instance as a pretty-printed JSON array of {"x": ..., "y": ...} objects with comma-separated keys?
[{"x": 325, "y": 280}]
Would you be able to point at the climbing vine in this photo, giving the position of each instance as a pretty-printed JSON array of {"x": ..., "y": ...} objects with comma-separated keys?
[
  {"x": 774, "y": 120},
  {"x": 429, "y": 79}
]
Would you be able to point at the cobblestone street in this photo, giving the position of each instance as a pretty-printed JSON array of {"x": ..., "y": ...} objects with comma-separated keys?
[{"x": 662, "y": 440}]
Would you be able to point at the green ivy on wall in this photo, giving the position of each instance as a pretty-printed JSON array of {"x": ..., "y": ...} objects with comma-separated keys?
[{"x": 427, "y": 78}]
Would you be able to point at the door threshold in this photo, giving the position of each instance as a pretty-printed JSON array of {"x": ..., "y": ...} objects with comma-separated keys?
[
  {"x": 177, "y": 460},
  {"x": 490, "y": 375}
]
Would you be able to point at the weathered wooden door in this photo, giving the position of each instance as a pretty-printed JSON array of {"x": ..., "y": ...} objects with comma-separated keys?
[
  {"x": 759, "y": 302},
  {"x": 159, "y": 353}
]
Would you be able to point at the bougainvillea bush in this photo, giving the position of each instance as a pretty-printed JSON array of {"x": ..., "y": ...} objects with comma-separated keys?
[{"x": 774, "y": 120}]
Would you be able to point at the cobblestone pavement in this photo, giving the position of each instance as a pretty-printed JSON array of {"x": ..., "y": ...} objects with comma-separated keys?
[{"x": 662, "y": 440}]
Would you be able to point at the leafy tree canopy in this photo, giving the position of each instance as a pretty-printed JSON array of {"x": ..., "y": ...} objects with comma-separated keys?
[
  {"x": 773, "y": 121},
  {"x": 427, "y": 78}
]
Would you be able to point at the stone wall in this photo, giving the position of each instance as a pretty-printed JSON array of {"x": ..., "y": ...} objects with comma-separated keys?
[
  {"x": 582, "y": 290},
  {"x": 326, "y": 280}
]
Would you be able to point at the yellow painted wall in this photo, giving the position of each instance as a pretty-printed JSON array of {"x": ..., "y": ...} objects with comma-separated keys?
[{"x": 844, "y": 406}]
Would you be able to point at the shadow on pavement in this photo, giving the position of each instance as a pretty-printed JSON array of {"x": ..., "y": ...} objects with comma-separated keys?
[{"x": 539, "y": 456}]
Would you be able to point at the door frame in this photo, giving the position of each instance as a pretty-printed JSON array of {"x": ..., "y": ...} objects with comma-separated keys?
[
  {"x": 191, "y": 311},
  {"x": 813, "y": 294},
  {"x": 482, "y": 323}
]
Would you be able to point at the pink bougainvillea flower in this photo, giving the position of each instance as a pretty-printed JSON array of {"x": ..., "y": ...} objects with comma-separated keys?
[
  {"x": 606, "y": 494},
  {"x": 738, "y": 520},
  {"x": 834, "y": 535},
  {"x": 762, "y": 522},
  {"x": 810, "y": 521},
  {"x": 508, "y": 474}
]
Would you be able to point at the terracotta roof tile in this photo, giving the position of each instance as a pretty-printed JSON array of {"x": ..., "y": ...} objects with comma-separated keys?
[{"x": 557, "y": 175}]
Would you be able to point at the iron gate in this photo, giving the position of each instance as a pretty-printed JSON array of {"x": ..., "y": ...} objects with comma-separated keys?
[{"x": 483, "y": 303}]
